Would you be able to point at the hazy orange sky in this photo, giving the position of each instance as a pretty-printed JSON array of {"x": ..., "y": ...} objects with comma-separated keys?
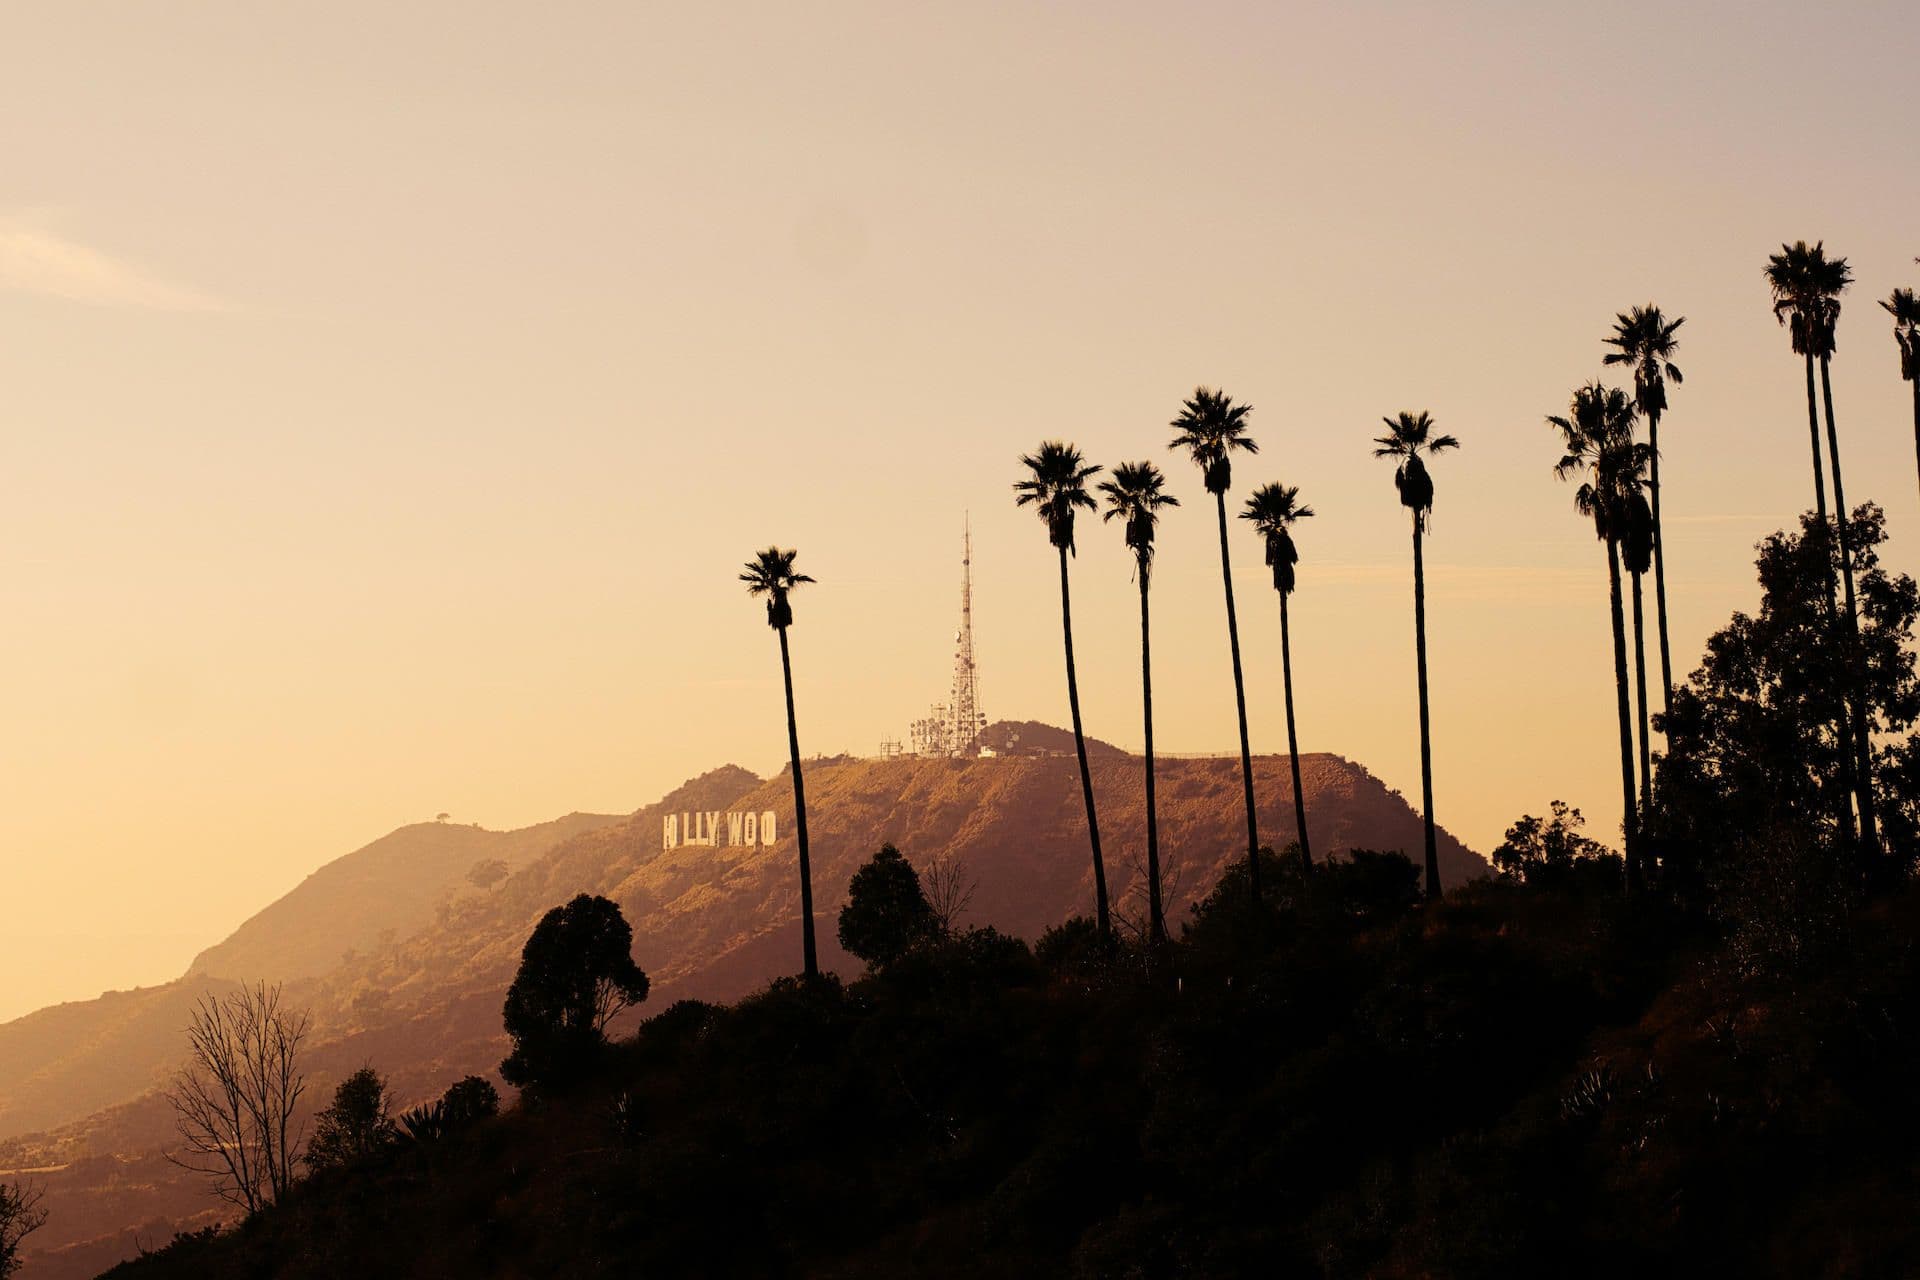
[{"x": 389, "y": 394}]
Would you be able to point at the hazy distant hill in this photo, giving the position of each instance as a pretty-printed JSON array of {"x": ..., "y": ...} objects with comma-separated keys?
[
  {"x": 68, "y": 1060},
  {"x": 422, "y": 1002},
  {"x": 389, "y": 887}
]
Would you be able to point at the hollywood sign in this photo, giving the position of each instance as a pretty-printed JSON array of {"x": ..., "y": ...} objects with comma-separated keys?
[{"x": 679, "y": 829}]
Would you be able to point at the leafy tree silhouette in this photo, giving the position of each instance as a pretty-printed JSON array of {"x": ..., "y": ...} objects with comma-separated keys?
[
  {"x": 356, "y": 1125},
  {"x": 887, "y": 914},
  {"x": 576, "y": 974}
]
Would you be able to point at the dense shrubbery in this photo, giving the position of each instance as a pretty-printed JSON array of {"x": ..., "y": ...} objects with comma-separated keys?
[{"x": 1523, "y": 1079}]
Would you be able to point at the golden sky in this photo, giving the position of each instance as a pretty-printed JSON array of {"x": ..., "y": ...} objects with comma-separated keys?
[{"x": 389, "y": 394}]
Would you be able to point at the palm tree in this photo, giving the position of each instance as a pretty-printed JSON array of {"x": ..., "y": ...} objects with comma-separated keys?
[
  {"x": 1210, "y": 427},
  {"x": 1637, "y": 549},
  {"x": 1904, "y": 307},
  {"x": 1598, "y": 436},
  {"x": 1408, "y": 436},
  {"x": 1789, "y": 276},
  {"x": 1807, "y": 285},
  {"x": 1134, "y": 495},
  {"x": 1273, "y": 508},
  {"x": 1643, "y": 339},
  {"x": 770, "y": 574},
  {"x": 1056, "y": 487}
]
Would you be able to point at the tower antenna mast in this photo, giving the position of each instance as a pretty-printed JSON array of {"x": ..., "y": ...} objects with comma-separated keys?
[{"x": 964, "y": 735}]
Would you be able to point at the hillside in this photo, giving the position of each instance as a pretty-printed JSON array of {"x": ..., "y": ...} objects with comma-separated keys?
[
  {"x": 709, "y": 922},
  {"x": 1519, "y": 1081},
  {"x": 387, "y": 890}
]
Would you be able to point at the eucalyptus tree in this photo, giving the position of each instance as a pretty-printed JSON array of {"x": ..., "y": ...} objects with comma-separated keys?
[
  {"x": 1904, "y": 307},
  {"x": 1136, "y": 494},
  {"x": 1806, "y": 286},
  {"x": 1274, "y": 508},
  {"x": 1211, "y": 427},
  {"x": 771, "y": 574},
  {"x": 1643, "y": 339},
  {"x": 1056, "y": 487},
  {"x": 1597, "y": 434},
  {"x": 1410, "y": 435}
]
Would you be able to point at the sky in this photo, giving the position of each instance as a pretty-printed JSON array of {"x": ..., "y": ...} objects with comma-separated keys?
[{"x": 389, "y": 395}]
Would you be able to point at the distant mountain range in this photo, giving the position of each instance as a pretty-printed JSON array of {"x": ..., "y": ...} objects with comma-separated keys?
[{"x": 404, "y": 959}]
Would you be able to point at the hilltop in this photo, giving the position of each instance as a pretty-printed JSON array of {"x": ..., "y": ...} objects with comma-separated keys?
[{"x": 405, "y": 965}]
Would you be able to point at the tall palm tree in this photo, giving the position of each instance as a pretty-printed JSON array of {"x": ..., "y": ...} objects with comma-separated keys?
[
  {"x": 1210, "y": 428},
  {"x": 1135, "y": 495},
  {"x": 1274, "y": 508},
  {"x": 1807, "y": 285},
  {"x": 1598, "y": 436},
  {"x": 1637, "y": 550},
  {"x": 1408, "y": 436},
  {"x": 1056, "y": 486},
  {"x": 1643, "y": 338},
  {"x": 1904, "y": 307},
  {"x": 1789, "y": 276},
  {"x": 770, "y": 574}
]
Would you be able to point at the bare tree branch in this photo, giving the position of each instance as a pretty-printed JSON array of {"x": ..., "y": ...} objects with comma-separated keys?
[{"x": 235, "y": 1101}]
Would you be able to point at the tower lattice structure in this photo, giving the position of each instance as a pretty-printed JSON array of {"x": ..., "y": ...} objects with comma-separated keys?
[{"x": 965, "y": 717}]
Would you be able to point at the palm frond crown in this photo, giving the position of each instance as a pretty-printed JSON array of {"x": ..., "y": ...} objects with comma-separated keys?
[
  {"x": 1597, "y": 437},
  {"x": 1904, "y": 307},
  {"x": 1057, "y": 487},
  {"x": 1273, "y": 509},
  {"x": 1135, "y": 494},
  {"x": 1643, "y": 339},
  {"x": 770, "y": 574},
  {"x": 1210, "y": 428},
  {"x": 1806, "y": 286},
  {"x": 1408, "y": 436}
]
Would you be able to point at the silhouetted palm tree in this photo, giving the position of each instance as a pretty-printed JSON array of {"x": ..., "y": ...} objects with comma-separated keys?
[
  {"x": 1057, "y": 487},
  {"x": 1210, "y": 427},
  {"x": 1637, "y": 550},
  {"x": 1134, "y": 495},
  {"x": 1790, "y": 277},
  {"x": 1643, "y": 339},
  {"x": 770, "y": 574},
  {"x": 1598, "y": 435},
  {"x": 1273, "y": 508},
  {"x": 1408, "y": 436},
  {"x": 1807, "y": 285},
  {"x": 1904, "y": 307}
]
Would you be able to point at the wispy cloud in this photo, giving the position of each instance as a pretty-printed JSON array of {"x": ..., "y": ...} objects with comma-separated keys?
[{"x": 35, "y": 260}]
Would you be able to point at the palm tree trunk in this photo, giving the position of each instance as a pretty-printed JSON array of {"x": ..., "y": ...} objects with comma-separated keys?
[
  {"x": 1240, "y": 705},
  {"x": 1857, "y": 699},
  {"x": 1293, "y": 740},
  {"x": 1156, "y": 916},
  {"x": 1080, "y": 746},
  {"x": 1844, "y": 807},
  {"x": 810, "y": 959},
  {"x": 1640, "y": 681},
  {"x": 1630, "y": 819},
  {"x": 1916, "y": 416},
  {"x": 1659, "y": 567},
  {"x": 1813, "y": 426},
  {"x": 1426, "y": 736}
]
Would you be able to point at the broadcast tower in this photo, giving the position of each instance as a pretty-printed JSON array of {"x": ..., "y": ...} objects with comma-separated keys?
[{"x": 964, "y": 709}]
